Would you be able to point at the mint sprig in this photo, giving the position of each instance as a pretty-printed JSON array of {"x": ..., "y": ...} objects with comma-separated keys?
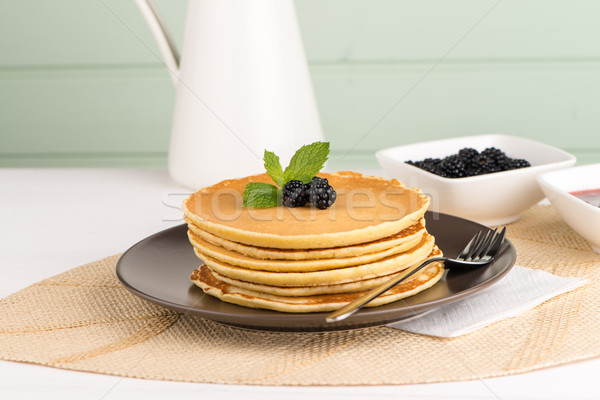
[
  {"x": 273, "y": 167},
  {"x": 261, "y": 195},
  {"x": 304, "y": 165},
  {"x": 307, "y": 162}
]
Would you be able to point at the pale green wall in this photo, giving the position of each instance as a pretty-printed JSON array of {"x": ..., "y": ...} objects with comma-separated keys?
[{"x": 80, "y": 84}]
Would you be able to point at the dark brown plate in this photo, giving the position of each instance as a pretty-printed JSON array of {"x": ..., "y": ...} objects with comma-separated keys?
[{"x": 158, "y": 269}]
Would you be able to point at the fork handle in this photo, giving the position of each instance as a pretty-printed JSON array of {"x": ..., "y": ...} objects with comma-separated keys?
[{"x": 363, "y": 300}]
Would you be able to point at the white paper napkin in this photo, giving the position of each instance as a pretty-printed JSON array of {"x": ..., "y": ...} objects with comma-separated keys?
[{"x": 520, "y": 290}]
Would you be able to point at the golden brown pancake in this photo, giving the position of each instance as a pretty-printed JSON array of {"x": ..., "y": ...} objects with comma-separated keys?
[
  {"x": 205, "y": 279},
  {"x": 234, "y": 258},
  {"x": 375, "y": 269},
  {"x": 366, "y": 209},
  {"x": 355, "y": 286},
  {"x": 399, "y": 240}
]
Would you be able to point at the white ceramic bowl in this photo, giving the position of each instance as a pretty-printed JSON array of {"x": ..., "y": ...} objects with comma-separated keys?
[
  {"x": 583, "y": 217},
  {"x": 492, "y": 199}
]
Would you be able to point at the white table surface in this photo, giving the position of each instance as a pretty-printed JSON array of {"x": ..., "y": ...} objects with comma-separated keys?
[{"x": 52, "y": 220}]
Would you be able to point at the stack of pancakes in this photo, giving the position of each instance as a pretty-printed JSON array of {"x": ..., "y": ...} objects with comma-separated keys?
[{"x": 305, "y": 259}]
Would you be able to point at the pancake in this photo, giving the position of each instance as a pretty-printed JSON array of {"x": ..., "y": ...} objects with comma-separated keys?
[
  {"x": 234, "y": 258},
  {"x": 314, "y": 290},
  {"x": 366, "y": 209},
  {"x": 398, "y": 239},
  {"x": 205, "y": 279},
  {"x": 381, "y": 267}
]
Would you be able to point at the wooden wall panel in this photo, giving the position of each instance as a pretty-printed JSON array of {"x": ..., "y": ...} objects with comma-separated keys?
[{"x": 81, "y": 83}]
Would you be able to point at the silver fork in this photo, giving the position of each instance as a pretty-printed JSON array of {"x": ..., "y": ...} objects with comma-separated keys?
[{"x": 481, "y": 250}]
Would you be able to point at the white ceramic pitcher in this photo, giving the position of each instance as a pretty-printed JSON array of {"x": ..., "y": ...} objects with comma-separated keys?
[{"x": 242, "y": 86}]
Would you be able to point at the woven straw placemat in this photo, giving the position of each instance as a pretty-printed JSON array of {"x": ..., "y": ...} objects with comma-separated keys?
[{"x": 85, "y": 320}]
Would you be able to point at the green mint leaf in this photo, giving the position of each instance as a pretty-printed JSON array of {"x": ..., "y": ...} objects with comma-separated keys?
[
  {"x": 273, "y": 167},
  {"x": 261, "y": 195},
  {"x": 307, "y": 162}
]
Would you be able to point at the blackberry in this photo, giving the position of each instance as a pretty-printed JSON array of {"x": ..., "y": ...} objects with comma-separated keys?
[
  {"x": 317, "y": 180},
  {"x": 320, "y": 193},
  {"x": 468, "y": 155},
  {"x": 487, "y": 164},
  {"x": 294, "y": 194},
  {"x": 453, "y": 167},
  {"x": 517, "y": 163},
  {"x": 498, "y": 161},
  {"x": 470, "y": 158},
  {"x": 495, "y": 154},
  {"x": 428, "y": 164}
]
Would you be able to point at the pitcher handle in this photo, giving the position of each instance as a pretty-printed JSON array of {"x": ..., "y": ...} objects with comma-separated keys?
[{"x": 166, "y": 44}]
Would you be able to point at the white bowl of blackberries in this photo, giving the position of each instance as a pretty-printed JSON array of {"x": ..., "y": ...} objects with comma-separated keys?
[
  {"x": 575, "y": 195},
  {"x": 490, "y": 179}
]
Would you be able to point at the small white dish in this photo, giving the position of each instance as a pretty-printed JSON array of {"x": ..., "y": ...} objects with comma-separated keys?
[
  {"x": 580, "y": 215},
  {"x": 492, "y": 199}
]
